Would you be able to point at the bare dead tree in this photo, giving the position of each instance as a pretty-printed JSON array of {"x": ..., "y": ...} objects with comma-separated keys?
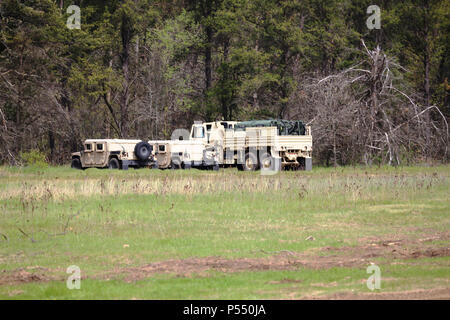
[{"x": 368, "y": 112}]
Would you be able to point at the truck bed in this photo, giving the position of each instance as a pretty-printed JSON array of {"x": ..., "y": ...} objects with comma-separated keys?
[{"x": 265, "y": 137}]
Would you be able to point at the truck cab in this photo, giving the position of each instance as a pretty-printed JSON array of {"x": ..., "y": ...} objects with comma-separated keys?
[{"x": 211, "y": 132}]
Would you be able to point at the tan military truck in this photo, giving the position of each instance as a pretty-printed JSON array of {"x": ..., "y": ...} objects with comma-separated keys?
[
  {"x": 262, "y": 144},
  {"x": 113, "y": 154}
]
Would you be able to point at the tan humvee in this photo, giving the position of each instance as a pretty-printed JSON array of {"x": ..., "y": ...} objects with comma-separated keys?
[{"x": 113, "y": 154}]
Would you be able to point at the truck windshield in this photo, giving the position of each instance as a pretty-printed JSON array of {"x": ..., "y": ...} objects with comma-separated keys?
[{"x": 199, "y": 132}]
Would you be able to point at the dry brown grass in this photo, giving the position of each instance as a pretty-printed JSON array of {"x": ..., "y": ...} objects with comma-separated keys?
[{"x": 354, "y": 187}]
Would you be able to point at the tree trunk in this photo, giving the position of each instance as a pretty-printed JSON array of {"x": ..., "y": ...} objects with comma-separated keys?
[
  {"x": 427, "y": 97},
  {"x": 51, "y": 144},
  {"x": 426, "y": 62},
  {"x": 334, "y": 146},
  {"x": 126, "y": 34},
  {"x": 208, "y": 59},
  {"x": 226, "y": 102}
]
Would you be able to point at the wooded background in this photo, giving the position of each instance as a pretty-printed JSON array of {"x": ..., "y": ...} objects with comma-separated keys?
[{"x": 141, "y": 68}]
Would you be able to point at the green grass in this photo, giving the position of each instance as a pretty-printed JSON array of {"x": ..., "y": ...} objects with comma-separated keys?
[
  {"x": 101, "y": 221},
  {"x": 303, "y": 283}
]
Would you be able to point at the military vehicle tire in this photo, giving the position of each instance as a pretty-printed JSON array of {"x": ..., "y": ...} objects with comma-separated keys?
[
  {"x": 251, "y": 162},
  {"x": 113, "y": 164},
  {"x": 186, "y": 165},
  {"x": 142, "y": 150},
  {"x": 76, "y": 164},
  {"x": 267, "y": 162},
  {"x": 176, "y": 163}
]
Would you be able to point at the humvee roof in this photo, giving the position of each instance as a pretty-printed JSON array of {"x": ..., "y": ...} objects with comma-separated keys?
[{"x": 112, "y": 141}]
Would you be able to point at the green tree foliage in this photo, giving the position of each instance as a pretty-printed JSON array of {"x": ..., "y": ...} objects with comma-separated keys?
[{"x": 140, "y": 68}]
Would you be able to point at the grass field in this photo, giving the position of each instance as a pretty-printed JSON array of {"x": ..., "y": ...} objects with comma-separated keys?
[{"x": 151, "y": 234}]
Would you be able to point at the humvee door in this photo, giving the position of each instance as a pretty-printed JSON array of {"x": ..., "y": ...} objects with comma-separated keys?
[
  {"x": 88, "y": 154},
  {"x": 100, "y": 154}
]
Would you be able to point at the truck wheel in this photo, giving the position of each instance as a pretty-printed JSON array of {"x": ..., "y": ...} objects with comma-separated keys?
[
  {"x": 267, "y": 161},
  {"x": 176, "y": 163},
  {"x": 76, "y": 164},
  {"x": 251, "y": 162},
  {"x": 142, "y": 150},
  {"x": 113, "y": 164},
  {"x": 186, "y": 165},
  {"x": 301, "y": 163}
]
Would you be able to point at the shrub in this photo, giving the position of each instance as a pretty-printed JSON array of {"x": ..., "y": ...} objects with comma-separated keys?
[{"x": 34, "y": 158}]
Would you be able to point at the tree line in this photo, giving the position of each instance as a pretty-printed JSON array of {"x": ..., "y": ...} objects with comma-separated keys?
[{"x": 141, "y": 68}]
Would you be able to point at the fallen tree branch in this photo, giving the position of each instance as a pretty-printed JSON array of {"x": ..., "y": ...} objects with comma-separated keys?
[
  {"x": 26, "y": 235},
  {"x": 66, "y": 224}
]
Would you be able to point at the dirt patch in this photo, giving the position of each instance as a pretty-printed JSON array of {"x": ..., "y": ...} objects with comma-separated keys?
[
  {"x": 394, "y": 248},
  {"x": 20, "y": 276},
  {"x": 324, "y": 285},
  {"x": 440, "y": 252},
  {"x": 285, "y": 281},
  {"x": 395, "y": 252},
  {"x": 15, "y": 293},
  {"x": 420, "y": 294},
  {"x": 187, "y": 267},
  {"x": 321, "y": 258},
  {"x": 285, "y": 261}
]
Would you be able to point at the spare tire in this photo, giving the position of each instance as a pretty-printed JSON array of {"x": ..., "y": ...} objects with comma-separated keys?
[{"x": 143, "y": 150}]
